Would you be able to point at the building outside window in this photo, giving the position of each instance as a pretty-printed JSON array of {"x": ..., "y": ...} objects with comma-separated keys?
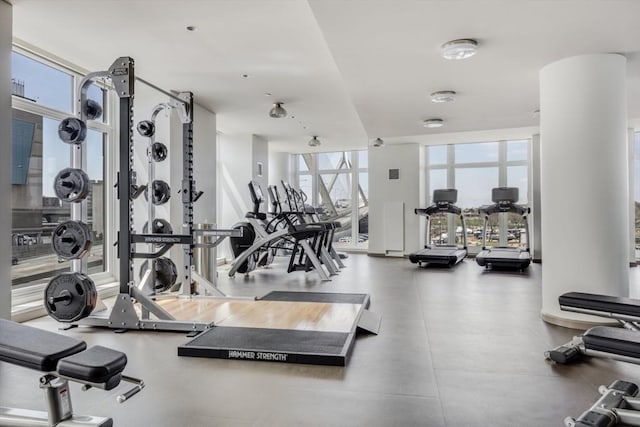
[
  {"x": 474, "y": 169},
  {"x": 337, "y": 183},
  {"x": 43, "y": 95}
]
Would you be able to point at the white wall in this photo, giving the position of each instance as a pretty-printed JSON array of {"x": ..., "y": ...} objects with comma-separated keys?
[
  {"x": 409, "y": 158},
  {"x": 5, "y": 155},
  {"x": 279, "y": 167},
  {"x": 260, "y": 154},
  {"x": 235, "y": 167}
]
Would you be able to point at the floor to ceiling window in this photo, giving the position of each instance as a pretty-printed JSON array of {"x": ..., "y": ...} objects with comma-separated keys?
[
  {"x": 43, "y": 95},
  {"x": 338, "y": 185},
  {"x": 474, "y": 169}
]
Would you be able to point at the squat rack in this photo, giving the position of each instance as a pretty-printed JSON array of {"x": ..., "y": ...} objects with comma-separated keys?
[{"x": 123, "y": 315}]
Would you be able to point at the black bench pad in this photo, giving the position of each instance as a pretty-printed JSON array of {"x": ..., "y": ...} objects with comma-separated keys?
[
  {"x": 618, "y": 341},
  {"x": 605, "y": 303},
  {"x": 96, "y": 365},
  {"x": 34, "y": 348}
]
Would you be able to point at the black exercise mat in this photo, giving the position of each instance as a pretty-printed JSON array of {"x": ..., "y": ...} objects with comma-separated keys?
[
  {"x": 327, "y": 297},
  {"x": 271, "y": 345}
]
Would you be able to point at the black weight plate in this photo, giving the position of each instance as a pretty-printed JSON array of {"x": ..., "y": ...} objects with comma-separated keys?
[
  {"x": 161, "y": 192},
  {"x": 76, "y": 294},
  {"x": 166, "y": 274},
  {"x": 159, "y": 151},
  {"x": 160, "y": 226},
  {"x": 146, "y": 128},
  {"x": 72, "y": 130},
  {"x": 91, "y": 109},
  {"x": 71, "y": 240},
  {"x": 71, "y": 185}
]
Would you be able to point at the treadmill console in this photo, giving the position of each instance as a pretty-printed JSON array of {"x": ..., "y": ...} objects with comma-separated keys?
[
  {"x": 504, "y": 195},
  {"x": 444, "y": 198}
]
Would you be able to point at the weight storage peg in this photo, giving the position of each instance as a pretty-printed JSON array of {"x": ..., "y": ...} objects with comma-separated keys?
[
  {"x": 69, "y": 297},
  {"x": 71, "y": 185},
  {"x": 72, "y": 130},
  {"x": 72, "y": 240}
]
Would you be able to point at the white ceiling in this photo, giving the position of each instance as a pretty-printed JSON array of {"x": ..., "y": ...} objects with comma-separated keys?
[{"x": 349, "y": 71}]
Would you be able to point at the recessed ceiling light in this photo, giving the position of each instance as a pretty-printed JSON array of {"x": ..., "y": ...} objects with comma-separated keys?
[
  {"x": 191, "y": 28},
  {"x": 378, "y": 142},
  {"x": 459, "y": 49},
  {"x": 432, "y": 123},
  {"x": 244, "y": 76},
  {"x": 267, "y": 94},
  {"x": 443, "y": 96}
]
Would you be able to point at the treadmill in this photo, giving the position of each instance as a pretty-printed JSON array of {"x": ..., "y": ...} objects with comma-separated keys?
[
  {"x": 443, "y": 203},
  {"x": 504, "y": 201}
]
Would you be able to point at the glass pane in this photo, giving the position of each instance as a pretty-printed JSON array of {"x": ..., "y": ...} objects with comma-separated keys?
[
  {"x": 437, "y": 154},
  {"x": 338, "y": 160},
  {"x": 302, "y": 164},
  {"x": 363, "y": 209},
  {"x": 363, "y": 159},
  {"x": 476, "y": 153},
  {"x": 41, "y": 83},
  {"x": 474, "y": 190},
  {"x": 518, "y": 150},
  {"x": 335, "y": 198},
  {"x": 437, "y": 180},
  {"x": 517, "y": 176},
  {"x": 305, "y": 183},
  {"x": 37, "y": 211}
]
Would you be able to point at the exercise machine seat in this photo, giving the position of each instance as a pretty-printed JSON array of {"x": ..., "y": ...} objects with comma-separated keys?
[
  {"x": 96, "y": 365},
  {"x": 623, "y": 342},
  {"x": 35, "y": 348},
  {"x": 605, "y": 303}
]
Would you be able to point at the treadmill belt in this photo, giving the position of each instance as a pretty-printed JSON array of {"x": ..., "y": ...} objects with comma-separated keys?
[{"x": 271, "y": 345}]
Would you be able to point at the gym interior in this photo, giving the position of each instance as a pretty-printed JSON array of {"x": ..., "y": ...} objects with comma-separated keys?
[{"x": 320, "y": 213}]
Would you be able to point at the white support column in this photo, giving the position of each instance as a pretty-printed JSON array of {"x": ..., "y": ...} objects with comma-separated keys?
[
  {"x": 534, "y": 201},
  {"x": 5, "y": 154},
  {"x": 584, "y": 180},
  {"x": 632, "y": 198}
]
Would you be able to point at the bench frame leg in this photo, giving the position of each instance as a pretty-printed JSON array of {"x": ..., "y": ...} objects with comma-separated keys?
[{"x": 60, "y": 411}]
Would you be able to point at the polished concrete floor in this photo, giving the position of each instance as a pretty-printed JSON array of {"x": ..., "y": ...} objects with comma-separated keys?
[{"x": 459, "y": 347}]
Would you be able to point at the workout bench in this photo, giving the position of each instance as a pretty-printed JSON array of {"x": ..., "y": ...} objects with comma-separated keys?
[{"x": 62, "y": 359}]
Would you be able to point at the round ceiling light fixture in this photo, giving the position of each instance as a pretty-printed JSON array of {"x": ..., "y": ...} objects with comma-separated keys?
[
  {"x": 459, "y": 49},
  {"x": 443, "y": 96},
  {"x": 314, "y": 142},
  {"x": 432, "y": 123},
  {"x": 277, "y": 112},
  {"x": 191, "y": 28},
  {"x": 378, "y": 142}
]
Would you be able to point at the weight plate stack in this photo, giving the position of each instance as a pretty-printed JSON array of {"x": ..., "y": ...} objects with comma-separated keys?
[
  {"x": 91, "y": 109},
  {"x": 72, "y": 240},
  {"x": 71, "y": 185},
  {"x": 72, "y": 130},
  {"x": 146, "y": 128},
  {"x": 159, "y": 151},
  {"x": 166, "y": 274},
  {"x": 161, "y": 192},
  {"x": 69, "y": 297}
]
